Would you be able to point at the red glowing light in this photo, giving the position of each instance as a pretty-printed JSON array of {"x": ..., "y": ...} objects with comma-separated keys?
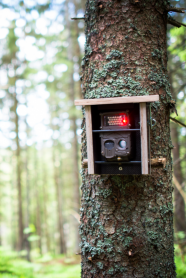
[{"x": 124, "y": 120}]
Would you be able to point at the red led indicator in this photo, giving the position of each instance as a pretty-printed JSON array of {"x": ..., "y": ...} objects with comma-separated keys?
[
  {"x": 117, "y": 120},
  {"x": 124, "y": 121}
]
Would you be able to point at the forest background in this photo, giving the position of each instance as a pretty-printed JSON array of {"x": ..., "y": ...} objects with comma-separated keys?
[{"x": 40, "y": 134}]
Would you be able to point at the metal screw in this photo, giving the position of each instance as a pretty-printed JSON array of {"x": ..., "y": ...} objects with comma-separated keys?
[{"x": 120, "y": 168}]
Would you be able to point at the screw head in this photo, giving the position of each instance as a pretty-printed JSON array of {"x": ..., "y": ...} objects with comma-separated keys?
[{"x": 120, "y": 168}]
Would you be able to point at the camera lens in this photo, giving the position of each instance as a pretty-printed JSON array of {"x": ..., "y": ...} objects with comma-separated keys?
[{"x": 122, "y": 144}]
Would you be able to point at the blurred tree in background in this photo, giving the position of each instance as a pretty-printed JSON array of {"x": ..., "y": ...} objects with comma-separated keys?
[
  {"x": 40, "y": 66},
  {"x": 40, "y": 128}
]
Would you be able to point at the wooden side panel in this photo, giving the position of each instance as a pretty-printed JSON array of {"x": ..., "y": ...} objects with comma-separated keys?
[
  {"x": 116, "y": 100},
  {"x": 89, "y": 139},
  {"x": 144, "y": 141}
]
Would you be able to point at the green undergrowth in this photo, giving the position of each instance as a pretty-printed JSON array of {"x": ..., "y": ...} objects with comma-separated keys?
[
  {"x": 47, "y": 266},
  {"x": 180, "y": 267},
  {"x": 180, "y": 261}
]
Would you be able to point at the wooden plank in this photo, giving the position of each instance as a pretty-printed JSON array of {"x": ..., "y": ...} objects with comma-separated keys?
[
  {"x": 135, "y": 99},
  {"x": 144, "y": 141},
  {"x": 89, "y": 139}
]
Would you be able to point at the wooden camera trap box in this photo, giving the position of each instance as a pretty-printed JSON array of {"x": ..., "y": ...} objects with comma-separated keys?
[{"x": 117, "y": 135}]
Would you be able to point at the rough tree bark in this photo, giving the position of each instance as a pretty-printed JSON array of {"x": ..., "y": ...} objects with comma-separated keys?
[{"x": 127, "y": 221}]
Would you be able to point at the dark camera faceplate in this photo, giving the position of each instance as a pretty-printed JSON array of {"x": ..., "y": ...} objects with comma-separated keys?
[{"x": 116, "y": 151}]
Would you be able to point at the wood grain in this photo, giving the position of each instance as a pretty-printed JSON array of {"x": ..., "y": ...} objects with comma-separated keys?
[
  {"x": 144, "y": 142},
  {"x": 99, "y": 101},
  {"x": 89, "y": 139}
]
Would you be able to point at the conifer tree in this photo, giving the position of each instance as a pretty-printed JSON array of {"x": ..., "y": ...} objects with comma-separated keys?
[{"x": 127, "y": 221}]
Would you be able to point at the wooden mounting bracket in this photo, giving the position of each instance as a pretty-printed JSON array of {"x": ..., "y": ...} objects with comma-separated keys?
[
  {"x": 84, "y": 163},
  {"x": 158, "y": 161}
]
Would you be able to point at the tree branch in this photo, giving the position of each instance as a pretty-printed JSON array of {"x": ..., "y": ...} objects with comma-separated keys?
[
  {"x": 172, "y": 21},
  {"x": 179, "y": 160},
  {"x": 77, "y": 18},
  {"x": 174, "y": 9},
  {"x": 178, "y": 186},
  {"x": 177, "y": 122}
]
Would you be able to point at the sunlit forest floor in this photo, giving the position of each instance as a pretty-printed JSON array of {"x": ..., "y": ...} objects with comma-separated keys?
[{"x": 12, "y": 266}]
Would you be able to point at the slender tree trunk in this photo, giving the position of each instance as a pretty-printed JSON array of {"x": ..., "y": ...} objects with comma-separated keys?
[
  {"x": 27, "y": 214},
  {"x": 127, "y": 221},
  {"x": 38, "y": 204},
  {"x": 74, "y": 50},
  {"x": 59, "y": 203},
  {"x": 45, "y": 204},
  {"x": 19, "y": 187},
  {"x": 180, "y": 219},
  {"x": 179, "y": 211},
  {"x": 14, "y": 222}
]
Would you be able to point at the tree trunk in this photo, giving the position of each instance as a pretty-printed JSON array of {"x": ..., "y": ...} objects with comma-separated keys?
[
  {"x": 180, "y": 219},
  {"x": 73, "y": 50},
  {"x": 19, "y": 187},
  {"x": 14, "y": 218},
  {"x": 58, "y": 185},
  {"x": 38, "y": 202},
  {"x": 127, "y": 221},
  {"x": 179, "y": 211},
  {"x": 27, "y": 211},
  {"x": 45, "y": 200}
]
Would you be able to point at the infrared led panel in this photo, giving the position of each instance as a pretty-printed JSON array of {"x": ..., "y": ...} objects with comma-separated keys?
[{"x": 116, "y": 120}]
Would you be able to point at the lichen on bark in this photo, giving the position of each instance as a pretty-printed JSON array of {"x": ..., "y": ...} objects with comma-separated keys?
[{"x": 126, "y": 221}]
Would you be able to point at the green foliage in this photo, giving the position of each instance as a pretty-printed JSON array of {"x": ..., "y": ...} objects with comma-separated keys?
[
  {"x": 178, "y": 45},
  {"x": 180, "y": 267},
  {"x": 11, "y": 266},
  {"x": 30, "y": 229}
]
